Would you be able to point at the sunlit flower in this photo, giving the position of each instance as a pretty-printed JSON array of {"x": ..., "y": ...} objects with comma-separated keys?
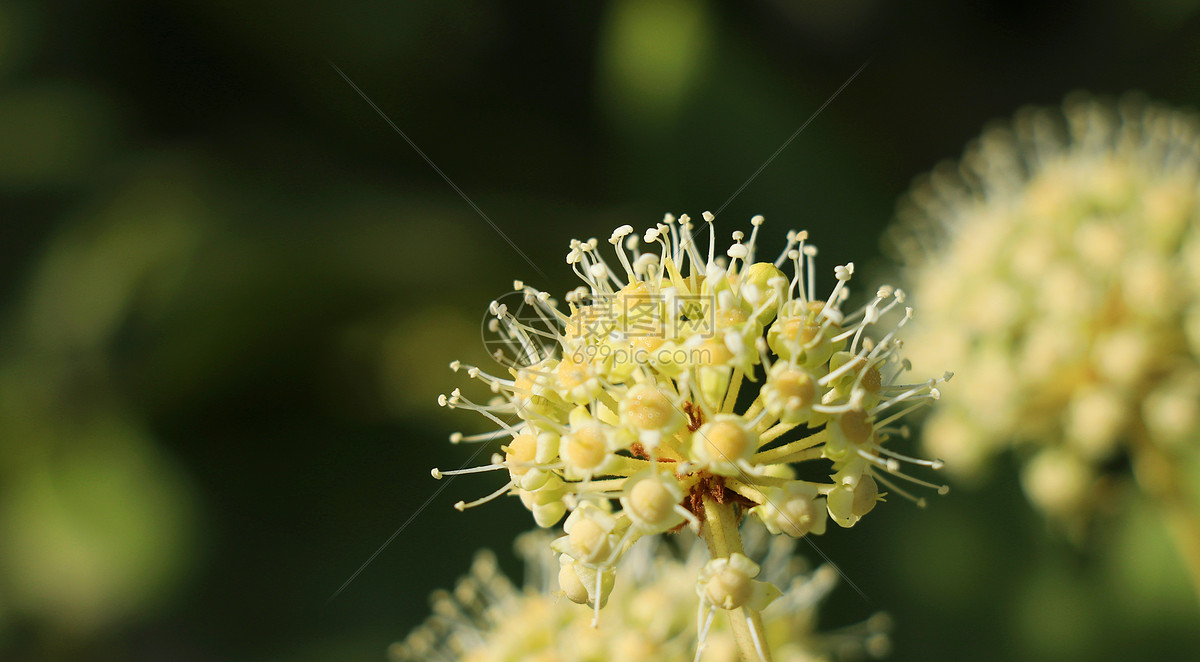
[
  {"x": 1058, "y": 268},
  {"x": 628, "y": 408},
  {"x": 656, "y": 617}
]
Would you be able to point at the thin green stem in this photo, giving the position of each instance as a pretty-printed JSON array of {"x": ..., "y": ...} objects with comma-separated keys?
[
  {"x": 776, "y": 454},
  {"x": 731, "y": 394},
  {"x": 720, "y": 532},
  {"x": 775, "y": 433},
  {"x": 755, "y": 407}
]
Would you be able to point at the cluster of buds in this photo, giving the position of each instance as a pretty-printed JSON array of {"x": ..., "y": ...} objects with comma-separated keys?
[
  {"x": 629, "y": 410},
  {"x": 486, "y": 618},
  {"x": 1058, "y": 267}
]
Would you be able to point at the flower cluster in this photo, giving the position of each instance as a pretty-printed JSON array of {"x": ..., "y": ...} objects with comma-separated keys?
[
  {"x": 628, "y": 410},
  {"x": 1059, "y": 269},
  {"x": 488, "y": 619}
]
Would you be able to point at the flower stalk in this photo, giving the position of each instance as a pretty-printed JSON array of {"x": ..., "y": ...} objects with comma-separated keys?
[{"x": 720, "y": 533}]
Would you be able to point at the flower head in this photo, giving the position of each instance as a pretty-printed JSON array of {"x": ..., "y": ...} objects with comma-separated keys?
[
  {"x": 657, "y": 617},
  {"x": 629, "y": 409},
  {"x": 1059, "y": 269}
]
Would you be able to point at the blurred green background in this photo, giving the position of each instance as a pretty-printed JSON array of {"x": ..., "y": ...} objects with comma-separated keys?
[{"x": 230, "y": 292}]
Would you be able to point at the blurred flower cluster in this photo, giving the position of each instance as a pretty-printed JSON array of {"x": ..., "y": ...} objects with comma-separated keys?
[
  {"x": 654, "y": 617},
  {"x": 1059, "y": 268}
]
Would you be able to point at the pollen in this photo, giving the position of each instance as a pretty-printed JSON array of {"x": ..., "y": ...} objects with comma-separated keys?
[{"x": 646, "y": 408}]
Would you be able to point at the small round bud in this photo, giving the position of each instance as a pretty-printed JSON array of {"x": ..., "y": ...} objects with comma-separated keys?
[
  {"x": 728, "y": 583},
  {"x": 652, "y": 499},
  {"x": 589, "y": 533},
  {"x": 795, "y": 509},
  {"x": 790, "y": 392},
  {"x": 519, "y": 454},
  {"x": 723, "y": 442},
  {"x": 866, "y": 495},
  {"x": 647, "y": 409},
  {"x": 571, "y": 586},
  {"x": 856, "y": 426},
  {"x": 584, "y": 449}
]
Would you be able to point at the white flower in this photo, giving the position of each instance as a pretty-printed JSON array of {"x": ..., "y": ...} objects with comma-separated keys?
[{"x": 626, "y": 409}]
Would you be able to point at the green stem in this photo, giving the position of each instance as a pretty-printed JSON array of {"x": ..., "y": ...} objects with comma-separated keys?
[
  {"x": 755, "y": 407},
  {"x": 776, "y": 454},
  {"x": 1158, "y": 474},
  {"x": 721, "y": 534},
  {"x": 731, "y": 393},
  {"x": 776, "y": 432}
]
